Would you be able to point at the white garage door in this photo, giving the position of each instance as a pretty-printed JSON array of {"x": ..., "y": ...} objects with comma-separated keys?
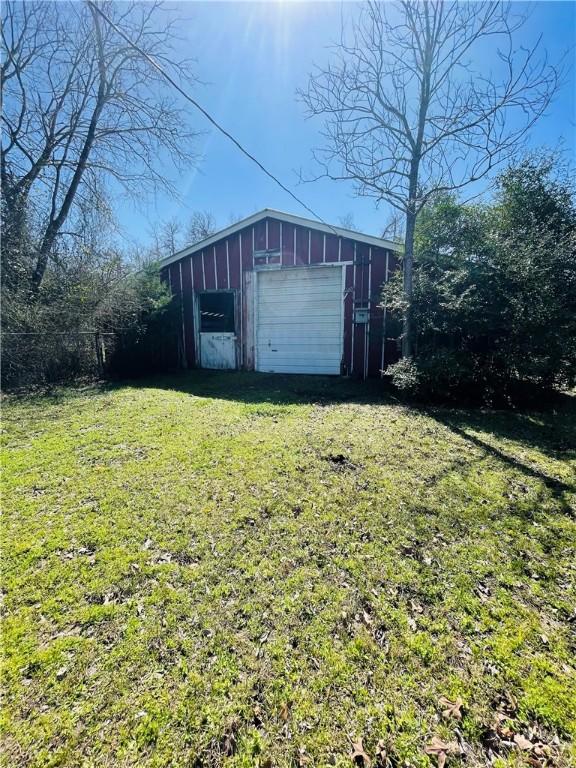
[{"x": 299, "y": 320}]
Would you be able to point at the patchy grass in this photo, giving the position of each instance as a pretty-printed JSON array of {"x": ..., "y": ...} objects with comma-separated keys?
[{"x": 247, "y": 570}]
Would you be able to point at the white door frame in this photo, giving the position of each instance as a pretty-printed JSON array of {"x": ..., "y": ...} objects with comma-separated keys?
[{"x": 196, "y": 317}]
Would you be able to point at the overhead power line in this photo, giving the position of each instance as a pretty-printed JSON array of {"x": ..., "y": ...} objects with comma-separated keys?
[{"x": 206, "y": 114}]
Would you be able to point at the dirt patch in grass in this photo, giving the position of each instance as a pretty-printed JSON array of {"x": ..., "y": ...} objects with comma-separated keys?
[{"x": 247, "y": 570}]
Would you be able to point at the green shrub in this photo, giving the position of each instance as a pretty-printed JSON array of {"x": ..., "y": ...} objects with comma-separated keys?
[
  {"x": 494, "y": 301},
  {"x": 406, "y": 377},
  {"x": 442, "y": 375},
  {"x": 147, "y": 330}
]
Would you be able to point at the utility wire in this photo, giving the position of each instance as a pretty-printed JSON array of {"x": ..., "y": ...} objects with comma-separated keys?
[{"x": 206, "y": 114}]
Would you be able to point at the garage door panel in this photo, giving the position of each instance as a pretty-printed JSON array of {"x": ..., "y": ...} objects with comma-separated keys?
[
  {"x": 316, "y": 303},
  {"x": 300, "y": 328},
  {"x": 299, "y": 320},
  {"x": 327, "y": 336},
  {"x": 271, "y": 313},
  {"x": 315, "y": 288},
  {"x": 284, "y": 338},
  {"x": 301, "y": 274},
  {"x": 288, "y": 365},
  {"x": 302, "y": 350}
]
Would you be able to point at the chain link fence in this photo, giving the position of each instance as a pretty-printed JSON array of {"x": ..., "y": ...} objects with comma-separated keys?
[{"x": 31, "y": 358}]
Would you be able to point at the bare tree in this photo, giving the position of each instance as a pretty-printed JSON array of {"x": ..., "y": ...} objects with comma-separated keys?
[
  {"x": 394, "y": 227},
  {"x": 81, "y": 107},
  {"x": 202, "y": 224},
  {"x": 407, "y": 114},
  {"x": 347, "y": 220},
  {"x": 168, "y": 237}
]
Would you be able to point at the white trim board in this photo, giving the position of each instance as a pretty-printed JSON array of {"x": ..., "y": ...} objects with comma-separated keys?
[{"x": 287, "y": 218}]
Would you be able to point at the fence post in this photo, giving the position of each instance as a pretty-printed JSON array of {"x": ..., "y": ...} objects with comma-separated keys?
[{"x": 99, "y": 355}]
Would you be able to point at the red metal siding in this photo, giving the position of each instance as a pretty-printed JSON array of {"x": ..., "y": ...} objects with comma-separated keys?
[
  {"x": 331, "y": 247},
  {"x": 247, "y": 236},
  {"x": 348, "y": 309},
  {"x": 273, "y": 234},
  {"x": 260, "y": 236},
  {"x": 288, "y": 244},
  {"x": 224, "y": 264},
  {"x": 174, "y": 278},
  {"x": 316, "y": 247},
  {"x": 346, "y": 253},
  {"x": 197, "y": 273},
  {"x": 209, "y": 268},
  {"x": 360, "y": 330},
  {"x": 301, "y": 257},
  {"x": 234, "y": 261},
  {"x": 188, "y": 308},
  {"x": 221, "y": 265}
]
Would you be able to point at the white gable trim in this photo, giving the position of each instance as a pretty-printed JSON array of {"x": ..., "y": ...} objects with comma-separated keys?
[{"x": 282, "y": 217}]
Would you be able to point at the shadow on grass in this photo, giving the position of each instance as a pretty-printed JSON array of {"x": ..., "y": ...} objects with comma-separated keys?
[
  {"x": 543, "y": 440},
  {"x": 551, "y": 431},
  {"x": 271, "y": 388}
]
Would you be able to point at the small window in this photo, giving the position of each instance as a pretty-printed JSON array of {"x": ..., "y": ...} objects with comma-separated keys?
[{"x": 217, "y": 312}]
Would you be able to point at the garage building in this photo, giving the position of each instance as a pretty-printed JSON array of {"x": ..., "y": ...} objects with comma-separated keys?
[{"x": 280, "y": 293}]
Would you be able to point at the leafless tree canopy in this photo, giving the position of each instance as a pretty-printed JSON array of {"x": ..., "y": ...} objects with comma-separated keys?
[
  {"x": 347, "y": 220},
  {"x": 202, "y": 224},
  {"x": 411, "y": 109},
  {"x": 405, "y": 88},
  {"x": 82, "y": 107},
  {"x": 170, "y": 235}
]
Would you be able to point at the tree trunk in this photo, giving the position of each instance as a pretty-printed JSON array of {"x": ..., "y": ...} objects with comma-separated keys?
[
  {"x": 408, "y": 263},
  {"x": 408, "y": 268},
  {"x": 56, "y": 222},
  {"x": 412, "y": 207}
]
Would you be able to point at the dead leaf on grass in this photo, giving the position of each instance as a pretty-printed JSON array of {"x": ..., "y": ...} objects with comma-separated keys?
[
  {"x": 285, "y": 711},
  {"x": 303, "y": 758},
  {"x": 483, "y": 591},
  {"x": 509, "y": 702},
  {"x": 359, "y": 756},
  {"x": 416, "y": 607},
  {"x": 522, "y": 742},
  {"x": 257, "y": 715},
  {"x": 451, "y": 708},
  {"x": 489, "y": 668},
  {"x": 381, "y": 754},
  {"x": 441, "y": 749},
  {"x": 367, "y": 618}
]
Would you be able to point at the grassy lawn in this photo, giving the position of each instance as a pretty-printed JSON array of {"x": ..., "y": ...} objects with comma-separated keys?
[{"x": 249, "y": 570}]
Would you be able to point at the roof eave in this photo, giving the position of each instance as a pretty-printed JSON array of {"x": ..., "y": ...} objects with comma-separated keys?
[{"x": 288, "y": 218}]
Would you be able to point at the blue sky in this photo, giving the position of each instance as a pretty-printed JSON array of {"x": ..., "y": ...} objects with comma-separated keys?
[{"x": 251, "y": 58}]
